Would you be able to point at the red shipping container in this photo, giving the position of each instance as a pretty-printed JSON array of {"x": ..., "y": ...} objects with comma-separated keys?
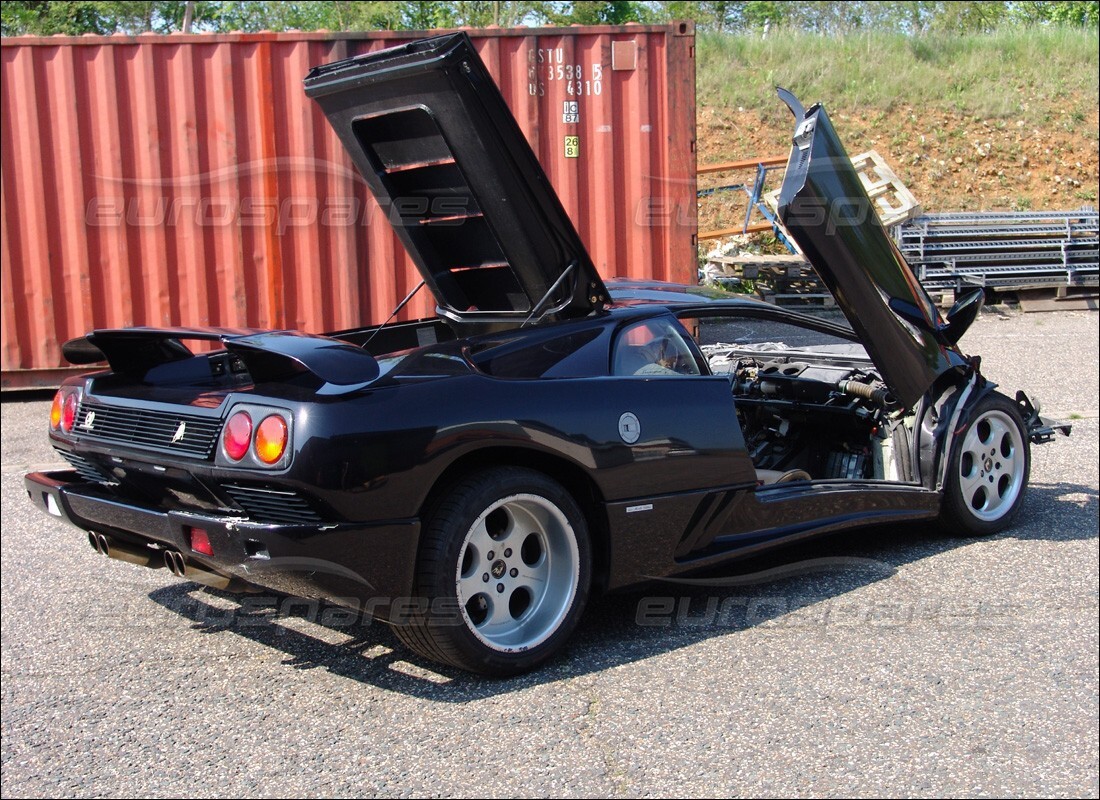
[{"x": 187, "y": 180}]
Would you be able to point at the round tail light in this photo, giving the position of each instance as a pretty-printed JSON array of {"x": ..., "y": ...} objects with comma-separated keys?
[
  {"x": 237, "y": 435},
  {"x": 271, "y": 439},
  {"x": 68, "y": 412},
  {"x": 55, "y": 411}
]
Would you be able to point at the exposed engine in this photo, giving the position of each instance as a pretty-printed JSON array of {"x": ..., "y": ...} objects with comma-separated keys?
[{"x": 826, "y": 419}]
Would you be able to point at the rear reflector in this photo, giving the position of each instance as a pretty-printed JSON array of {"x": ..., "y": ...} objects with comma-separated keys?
[{"x": 200, "y": 541}]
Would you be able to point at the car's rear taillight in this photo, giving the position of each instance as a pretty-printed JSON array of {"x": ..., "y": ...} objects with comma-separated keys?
[
  {"x": 257, "y": 437},
  {"x": 68, "y": 412},
  {"x": 55, "y": 410},
  {"x": 237, "y": 435},
  {"x": 271, "y": 438},
  {"x": 63, "y": 411}
]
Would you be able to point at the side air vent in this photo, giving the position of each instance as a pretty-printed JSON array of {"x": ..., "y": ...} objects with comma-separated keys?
[{"x": 86, "y": 469}]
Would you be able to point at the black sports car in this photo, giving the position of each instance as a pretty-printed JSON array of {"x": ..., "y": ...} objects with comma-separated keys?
[{"x": 472, "y": 478}]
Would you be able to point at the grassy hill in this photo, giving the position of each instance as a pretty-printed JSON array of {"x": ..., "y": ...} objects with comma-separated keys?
[{"x": 1004, "y": 121}]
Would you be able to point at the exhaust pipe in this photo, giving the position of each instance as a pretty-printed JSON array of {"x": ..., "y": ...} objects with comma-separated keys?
[
  {"x": 178, "y": 566},
  {"x": 121, "y": 551},
  {"x": 172, "y": 559}
]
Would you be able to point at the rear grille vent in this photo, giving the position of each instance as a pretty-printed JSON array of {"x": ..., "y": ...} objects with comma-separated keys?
[
  {"x": 86, "y": 469},
  {"x": 165, "y": 431},
  {"x": 273, "y": 505}
]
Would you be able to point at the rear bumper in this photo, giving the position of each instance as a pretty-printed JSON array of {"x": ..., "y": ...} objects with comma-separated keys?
[{"x": 361, "y": 566}]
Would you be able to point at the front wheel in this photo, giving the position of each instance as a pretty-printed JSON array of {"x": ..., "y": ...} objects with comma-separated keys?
[
  {"x": 503, "y": 574},
  {"x": 989, "y": 469}
]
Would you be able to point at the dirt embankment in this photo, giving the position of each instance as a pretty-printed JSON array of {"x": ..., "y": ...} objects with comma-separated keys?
[{"x": 950, "y": 161}]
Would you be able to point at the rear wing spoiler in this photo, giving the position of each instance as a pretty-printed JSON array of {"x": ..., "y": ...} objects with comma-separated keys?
[{"x": 268, "y": 355}]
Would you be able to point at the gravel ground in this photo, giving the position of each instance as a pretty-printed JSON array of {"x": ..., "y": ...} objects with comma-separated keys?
[{"x": 912, "y": 664}]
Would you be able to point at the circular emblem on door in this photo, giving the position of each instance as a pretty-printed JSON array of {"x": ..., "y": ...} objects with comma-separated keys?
[{"x": 629, "y": 428}]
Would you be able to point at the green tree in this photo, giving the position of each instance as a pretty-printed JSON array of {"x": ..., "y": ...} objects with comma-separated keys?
[
  {"x": 612, "y": 12},
  {"x": 716, "y": 15},
  {"x": 426, "y": 14},
  {"x": 970, "y": 17},
  {"x": 913, "y": 17},
  {"x": 45, "y": 18},
  {"x": 482, "y": 13},
  {"x": 1078, "y": 13},
  {"x": 757, "y": 13}
]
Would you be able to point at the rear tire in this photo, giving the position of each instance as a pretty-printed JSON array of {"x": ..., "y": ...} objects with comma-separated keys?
[
  {"x": 503, "y": 574},
  {"x": 989, "y": 469}
]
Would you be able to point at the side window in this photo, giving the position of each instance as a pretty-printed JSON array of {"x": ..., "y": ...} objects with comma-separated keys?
[
  {"x": 654, "y": 347},
  {"x": 726, "y": 339},
  {"x": 740, "y": 331}
]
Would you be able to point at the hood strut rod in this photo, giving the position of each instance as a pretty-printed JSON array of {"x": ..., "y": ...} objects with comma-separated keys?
[
  {"x": 538, "y": 306},
  {"x": 394, "y": 313}
]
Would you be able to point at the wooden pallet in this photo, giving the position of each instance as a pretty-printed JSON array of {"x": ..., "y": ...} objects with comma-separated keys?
[
  {"x": 749, "y": 266},
  {"x": 797, "y": 299},
  {"x": 892, "y": 199},
  {"x": 1061, "y": 299},
  {"x": 784, "y": 280},
  {"x": 789, "y": 280}
]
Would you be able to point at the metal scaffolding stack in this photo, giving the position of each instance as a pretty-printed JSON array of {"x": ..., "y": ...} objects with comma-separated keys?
[{"x": 1003, "y": 251}]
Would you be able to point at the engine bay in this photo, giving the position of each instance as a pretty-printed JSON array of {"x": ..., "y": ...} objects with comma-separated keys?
[{"x": 809, "y": 416}]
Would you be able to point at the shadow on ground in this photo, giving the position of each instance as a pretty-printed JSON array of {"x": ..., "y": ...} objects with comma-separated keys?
[{"x": 804, "y": 584}]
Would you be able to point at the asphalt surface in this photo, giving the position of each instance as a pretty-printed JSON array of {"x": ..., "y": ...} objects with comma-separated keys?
[{"x": 892, "y": 661}]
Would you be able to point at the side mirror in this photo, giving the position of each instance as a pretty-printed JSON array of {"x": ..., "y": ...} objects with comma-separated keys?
[{"x": 963, "y": 313}]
